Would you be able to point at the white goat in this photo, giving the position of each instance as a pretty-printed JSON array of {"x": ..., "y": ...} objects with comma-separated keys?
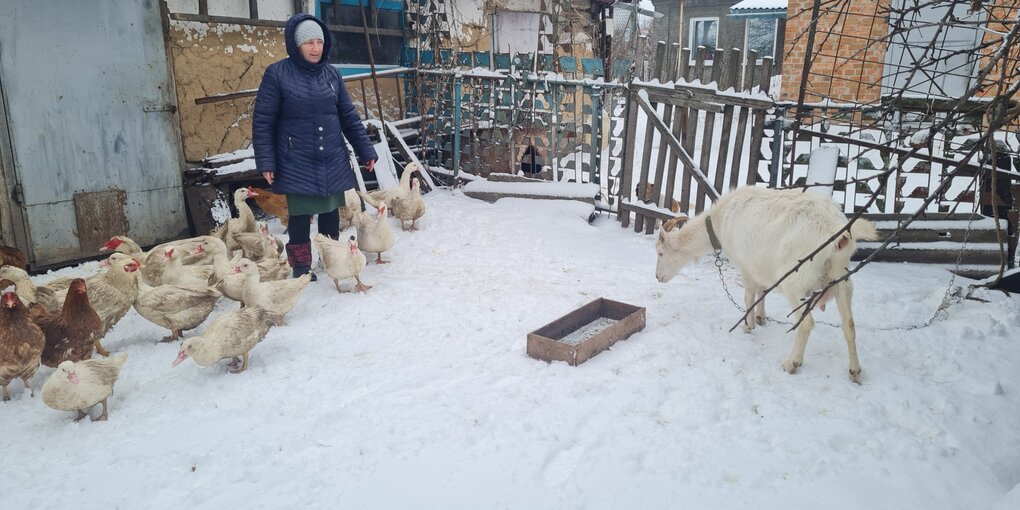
[{"x": 765, "y": 232}]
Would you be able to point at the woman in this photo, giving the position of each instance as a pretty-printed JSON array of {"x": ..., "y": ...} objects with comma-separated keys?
[{"x": 302, "y": 115}]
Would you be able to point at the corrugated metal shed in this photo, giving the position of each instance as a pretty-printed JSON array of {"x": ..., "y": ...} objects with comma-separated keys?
[{"x": 91, "y": 146}]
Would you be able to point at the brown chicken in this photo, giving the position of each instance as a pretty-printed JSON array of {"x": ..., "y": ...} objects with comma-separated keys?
[
  {"x": 272, "y": 204},
  {"x": 11, "y": 256},
  {"x": 72, "y": 334},
  {"x": 21, "y": 343}
]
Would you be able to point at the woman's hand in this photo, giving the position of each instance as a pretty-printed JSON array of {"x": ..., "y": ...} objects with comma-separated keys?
[
  {"x": 268, "y": 176},
  {"x": 370, "y": 165}
]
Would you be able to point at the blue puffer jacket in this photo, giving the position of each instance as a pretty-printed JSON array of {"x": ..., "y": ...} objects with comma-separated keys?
[{"x": 302, "y": 114}]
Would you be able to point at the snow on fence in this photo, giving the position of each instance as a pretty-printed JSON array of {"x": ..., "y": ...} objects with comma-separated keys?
[
  {"x": 699, "y": 139},
  {"x": 869, "y": 151}
]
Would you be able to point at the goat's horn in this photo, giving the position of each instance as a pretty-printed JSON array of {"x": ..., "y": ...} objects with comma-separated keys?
[{"x": 670, "y": 224}]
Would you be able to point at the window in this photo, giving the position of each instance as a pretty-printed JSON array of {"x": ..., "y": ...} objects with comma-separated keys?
[
  {"x": 946, "y": 70},
  {"x": 349, "y": 47},
  {"x": 761, "y": 36},
  {"x": 704, "y": 32},
  {"x": 517, "y": 32}
]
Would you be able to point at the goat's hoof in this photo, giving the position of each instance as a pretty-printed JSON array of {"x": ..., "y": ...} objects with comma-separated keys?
[
  {"x": 748, "y": 327},
  {"x": 791, "y": 366},
  {"x": 760, "y": 320},
  {"x": 855, "y": 375}
]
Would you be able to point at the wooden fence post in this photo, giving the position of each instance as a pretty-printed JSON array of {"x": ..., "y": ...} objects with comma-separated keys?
[
  {"x": 758, "y": 127},
  {"x": 709, "y": 132},
  {"x": 738, "y": 154},
  {"x": 668, "y": 71},
  {"x": 646, "y": 154}
]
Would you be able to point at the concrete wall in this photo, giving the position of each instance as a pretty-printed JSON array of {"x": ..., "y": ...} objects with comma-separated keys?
[
  {"x": 218, "y": 58},
  {"x": 211, "y": 59}
]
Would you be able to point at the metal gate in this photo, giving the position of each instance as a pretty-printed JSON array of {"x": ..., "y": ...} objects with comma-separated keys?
[{"x": 89, "y": 138}]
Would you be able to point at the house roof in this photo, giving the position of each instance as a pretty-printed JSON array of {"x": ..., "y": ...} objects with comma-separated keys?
[{"x": 759, "y": 8}]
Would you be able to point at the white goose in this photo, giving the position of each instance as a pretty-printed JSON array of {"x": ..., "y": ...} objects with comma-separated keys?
[
  {"x": 232, "y": 335},
  {"x": 79, "y": 386}
]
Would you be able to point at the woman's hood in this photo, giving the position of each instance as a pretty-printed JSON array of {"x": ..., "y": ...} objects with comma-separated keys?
[{"x": 292, "y": 48}]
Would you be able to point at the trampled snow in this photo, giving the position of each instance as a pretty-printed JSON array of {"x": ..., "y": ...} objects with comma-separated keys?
[{"x": 419, "y": 394}]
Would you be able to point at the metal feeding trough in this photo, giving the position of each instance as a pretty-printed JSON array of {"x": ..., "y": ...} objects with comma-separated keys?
[{"x": 585, "y": 332}]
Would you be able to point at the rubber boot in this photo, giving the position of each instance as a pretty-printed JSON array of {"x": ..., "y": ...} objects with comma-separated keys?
[{"x": 300, "y": 258}]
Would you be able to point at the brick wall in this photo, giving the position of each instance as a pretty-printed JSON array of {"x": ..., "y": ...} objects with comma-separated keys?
[
  {"x": 849, "y": 50},
  {"x": 844, "y": 66}
]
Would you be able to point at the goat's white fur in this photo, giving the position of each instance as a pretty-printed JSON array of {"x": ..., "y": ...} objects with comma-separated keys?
[{"x": 765, "y": 232}]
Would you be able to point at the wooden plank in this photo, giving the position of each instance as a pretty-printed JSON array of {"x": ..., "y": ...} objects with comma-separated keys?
[
  {"x": 646, "y": 154},
  {"x": 758, "y": 126},
  {"x": 647, "y": 210},
  {"x": 680, "y": 99},
  {"x": 407, "y": 153},
  {"x": 699, "y": 66},
  {"x": 668, "y": 70},
  {"x": 738, "y": 144},
  {"x": 708, "y": 134},
  {"x": 630, "y": 129},
  {"x": 679, "y": 122},
  {"x": 703, "y": 94},
  {"x": 696, "y": 172},
  {"x": 730, "y": 68},
  {"x": 690, "y": 125}
]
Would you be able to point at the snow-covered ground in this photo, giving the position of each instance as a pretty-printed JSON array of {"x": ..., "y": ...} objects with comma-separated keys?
[{"x": 419, "y": 394}]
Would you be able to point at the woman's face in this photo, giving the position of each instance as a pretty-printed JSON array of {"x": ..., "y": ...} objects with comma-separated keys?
[{"x": 312, "y": 50}]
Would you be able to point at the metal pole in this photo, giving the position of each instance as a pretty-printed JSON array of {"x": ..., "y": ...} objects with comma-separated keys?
[
  {"x": 371, "y": 61},
  {"x": 777, "y": 148},
  {"x": 596, "y": 134},
  {"x": 456, "y": 125}
]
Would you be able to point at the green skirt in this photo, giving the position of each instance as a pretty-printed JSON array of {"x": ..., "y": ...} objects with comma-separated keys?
[{"x": 303, "y": 205}]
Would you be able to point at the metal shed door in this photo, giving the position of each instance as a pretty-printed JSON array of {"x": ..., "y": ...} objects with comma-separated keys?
[{"x": 94, "y": 136}]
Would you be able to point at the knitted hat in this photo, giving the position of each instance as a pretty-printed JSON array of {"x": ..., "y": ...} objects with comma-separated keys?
[{"x": 307, "y": 30}]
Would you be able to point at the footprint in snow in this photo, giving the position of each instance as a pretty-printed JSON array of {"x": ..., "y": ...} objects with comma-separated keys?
[{"x": 559, "y": 469}]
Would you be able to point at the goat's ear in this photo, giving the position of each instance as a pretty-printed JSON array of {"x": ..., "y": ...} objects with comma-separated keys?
[
  {"x": 843, "y": 241},
  {"x": 662, "y": 235}
]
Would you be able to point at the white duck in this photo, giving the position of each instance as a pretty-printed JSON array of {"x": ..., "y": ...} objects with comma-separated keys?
[
  {"x": 26, "y": 289},
  {"x": 389, "y": 195},
  {"x": 79, "y": 386},
  {"x": 176, "y": 273},
  {"x": 410, "y": 207},
  {"x": 244, "y": 222},
  {"x": 257, "y": 245},
  {"x": 231, "y": 284},
  {"x": 374, "y": 234},
  {"x": 277, "y": 297},
  {"x": 153, "y": 261},
  {"x": 232, "y": 335},
  {"x": 342, "y": 260},
  {"x": 352, "y": 205},
  {"x": 176, "y": 307}
]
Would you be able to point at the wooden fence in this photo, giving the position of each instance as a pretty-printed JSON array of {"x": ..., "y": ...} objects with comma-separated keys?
[{"x": 701, "y": 134}]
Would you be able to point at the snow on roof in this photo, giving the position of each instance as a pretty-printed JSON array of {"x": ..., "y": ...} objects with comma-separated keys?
[{"x": 759, "y": 5}]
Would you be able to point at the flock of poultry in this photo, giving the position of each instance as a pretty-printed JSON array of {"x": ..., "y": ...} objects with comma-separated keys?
[{"x": 177, "y": 285}]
